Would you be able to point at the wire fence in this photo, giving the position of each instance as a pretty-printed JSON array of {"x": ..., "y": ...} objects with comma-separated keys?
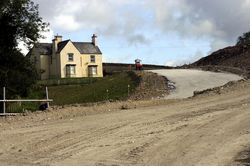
[
  {"x": 67, "y": 81},
  {"x": 10, "y": 106}
]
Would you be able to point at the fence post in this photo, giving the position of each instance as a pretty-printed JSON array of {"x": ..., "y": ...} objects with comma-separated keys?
[
  {"x": 47, "y": 96},
  {"x": 128, "y": 89},
  {"x": 107, "y": 92},
  {"x": 4, "y": 106}
]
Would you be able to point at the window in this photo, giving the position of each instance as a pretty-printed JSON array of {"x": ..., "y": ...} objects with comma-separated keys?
[
  {"x": 70, "y": 70},
  {"x": 92, "y": 58},
  {"x": 70, "y": 57},
  {"x": 92, "y": 70}
]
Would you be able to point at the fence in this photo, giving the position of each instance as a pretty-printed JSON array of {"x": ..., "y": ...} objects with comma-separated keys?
[
  {"x": 5, "y": 101},
  {"x": 67, "y": 81}
]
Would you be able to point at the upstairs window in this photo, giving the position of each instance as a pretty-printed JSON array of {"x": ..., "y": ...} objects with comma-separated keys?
[
  {"x": 70, "y": 57},
  {"x": 92, "y": 58}
]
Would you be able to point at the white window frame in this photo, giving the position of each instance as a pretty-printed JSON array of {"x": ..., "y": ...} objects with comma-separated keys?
[
  {"x": 92, "y": 70},
  {"x": 92, "y": 58},
  {"x": 70, "y": 57},
  {"x": 70, "y": 70}
]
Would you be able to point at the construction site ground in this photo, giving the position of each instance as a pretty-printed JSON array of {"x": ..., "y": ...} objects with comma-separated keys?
[{"x": 212, "y": 128}]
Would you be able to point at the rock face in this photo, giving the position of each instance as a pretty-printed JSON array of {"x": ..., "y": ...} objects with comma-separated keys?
[{"x": 234, "y": 59}]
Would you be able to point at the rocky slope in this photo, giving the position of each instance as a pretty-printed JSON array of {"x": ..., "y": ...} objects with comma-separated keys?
[{"x": 235, "y": 59}]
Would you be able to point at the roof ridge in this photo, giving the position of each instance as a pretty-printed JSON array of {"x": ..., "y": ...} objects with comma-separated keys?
[
  {"x": 64, "y": 41},
  {"x": 82, "y": 47},
  {"x": 62, "y": 44},
  {"x": 42, "y": 43},
  {"x": 81, "y": 42}
]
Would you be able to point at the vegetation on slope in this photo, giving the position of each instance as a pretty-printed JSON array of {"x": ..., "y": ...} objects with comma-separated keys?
[
  {"x": 19, "y": 21},
  {"x": 113, "y": 87},
  {"x": 235, "y": 59}
]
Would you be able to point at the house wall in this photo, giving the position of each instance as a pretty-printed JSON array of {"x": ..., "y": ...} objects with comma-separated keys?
[
  {"x": 53, "y": 66},
  {"x": 35, "y": 59},
  {"x": 37, "y": 62},
  {"x": 81, "y": 61},
  {"x": 98, "y": 63},
  {"x": 44, "y": 66},
  {"x": 41, "y": 63},
  {"x": 57, "y": 69},
  {"x": 70, "y": 48}
]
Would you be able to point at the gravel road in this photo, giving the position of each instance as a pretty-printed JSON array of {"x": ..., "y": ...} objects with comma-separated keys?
[
  {"x": 187, "y": 80},
  {"x": 204, "y": 130}
]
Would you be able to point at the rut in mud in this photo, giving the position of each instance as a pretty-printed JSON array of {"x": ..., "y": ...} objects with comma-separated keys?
[{"x": 208, "y": 129}]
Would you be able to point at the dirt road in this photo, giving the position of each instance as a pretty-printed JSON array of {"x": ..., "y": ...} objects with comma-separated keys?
[
  {"x": 188, "y": 80},
  {"x": 205, "y": 130}
]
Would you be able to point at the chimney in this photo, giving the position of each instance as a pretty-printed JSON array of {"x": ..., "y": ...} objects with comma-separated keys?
[
  {"x": 94, "y": 40},
  {"x": 55, "y": 42}
]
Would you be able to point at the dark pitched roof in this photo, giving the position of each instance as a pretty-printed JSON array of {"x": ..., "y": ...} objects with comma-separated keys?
[
  {"x": 43, "y": 48},
  {"x": 87, "y": 48},
  {"x": 82, "y": 47},
  {"x": 61, "y": 45}
]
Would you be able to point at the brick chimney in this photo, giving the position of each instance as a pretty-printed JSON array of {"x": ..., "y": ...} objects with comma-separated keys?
[
  {"x": 55, "y": 42},
  {"x": 94, "y": 40}
]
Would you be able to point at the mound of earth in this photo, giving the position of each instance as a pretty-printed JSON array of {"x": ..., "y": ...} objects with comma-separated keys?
[
  {"x": 235, "y": 59},
  {"x": 232, "y": 85},
  {"x": 151, "y": 86}
]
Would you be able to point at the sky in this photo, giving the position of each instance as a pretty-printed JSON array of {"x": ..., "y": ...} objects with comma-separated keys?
[{"x": 163, "y": 32}]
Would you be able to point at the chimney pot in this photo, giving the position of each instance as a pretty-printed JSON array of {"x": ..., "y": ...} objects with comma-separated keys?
[
  {"x": 94, "y": 40},
  {"x": 57, "y": 39}
]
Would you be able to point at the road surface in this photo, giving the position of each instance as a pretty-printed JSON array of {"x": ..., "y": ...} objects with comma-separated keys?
[
  {"x": 188, "y": 80},
  {"x": 204, "y": 130}
]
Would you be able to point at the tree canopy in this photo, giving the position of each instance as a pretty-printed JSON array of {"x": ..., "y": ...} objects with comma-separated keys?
[
  {"x": 19, "y": 21},
  {"x": 244, "y": 39}
]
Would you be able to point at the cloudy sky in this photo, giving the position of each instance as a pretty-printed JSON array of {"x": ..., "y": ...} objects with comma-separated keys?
[{"x": 165, "y": 32}]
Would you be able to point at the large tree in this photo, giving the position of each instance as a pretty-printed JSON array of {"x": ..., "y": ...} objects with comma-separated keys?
[
  {"x": 244, "y": 39},
  {"x": 19, "y": 21}
]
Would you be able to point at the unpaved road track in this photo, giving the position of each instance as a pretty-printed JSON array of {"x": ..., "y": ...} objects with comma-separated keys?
[
  {"x": 189, "y": 80},
  {"x": 205, "y": 130}
]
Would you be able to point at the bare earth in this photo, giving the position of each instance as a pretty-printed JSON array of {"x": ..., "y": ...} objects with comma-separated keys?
[
  {"x": 210, "y": 129},
  {"x": 189, "y": 80}
]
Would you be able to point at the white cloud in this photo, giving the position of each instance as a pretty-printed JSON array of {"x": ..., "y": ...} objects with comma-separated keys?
[
  {"x": 135, "y": 22},
  {"x": 66, "y": 22},
  {"x": 185, "y": 59},
  {"x": 218, "y": 44},
  {"x": 171, "y": 63},
  {"x": 23, "y": 48},
  {"x": 48, "y": 36},
  {"x": 221, "y": 19}
]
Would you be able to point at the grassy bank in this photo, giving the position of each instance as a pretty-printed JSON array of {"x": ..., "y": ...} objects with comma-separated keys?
[{"x": 113, "y": 87}]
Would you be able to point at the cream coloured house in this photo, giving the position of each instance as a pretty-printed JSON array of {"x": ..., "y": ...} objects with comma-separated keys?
[{"x": 62, "y": 59}]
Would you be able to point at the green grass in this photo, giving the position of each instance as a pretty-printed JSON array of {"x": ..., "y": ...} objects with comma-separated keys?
[
  {"x": 18, "y": 107},
  {"x": 67, "y": 81},
  {"x": 113, "y": 87}
]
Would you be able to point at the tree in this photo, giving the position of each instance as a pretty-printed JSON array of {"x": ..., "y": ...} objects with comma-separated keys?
[
  {"x": 19, "y": 21},
  {"x": 244, "y": 39}
]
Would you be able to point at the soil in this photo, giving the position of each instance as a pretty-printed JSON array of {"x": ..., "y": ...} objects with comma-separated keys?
[
  {"x": 208, "y": 129},
  {"x": 151, "y": 86},
  {"x": 234, "y": 59}
]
